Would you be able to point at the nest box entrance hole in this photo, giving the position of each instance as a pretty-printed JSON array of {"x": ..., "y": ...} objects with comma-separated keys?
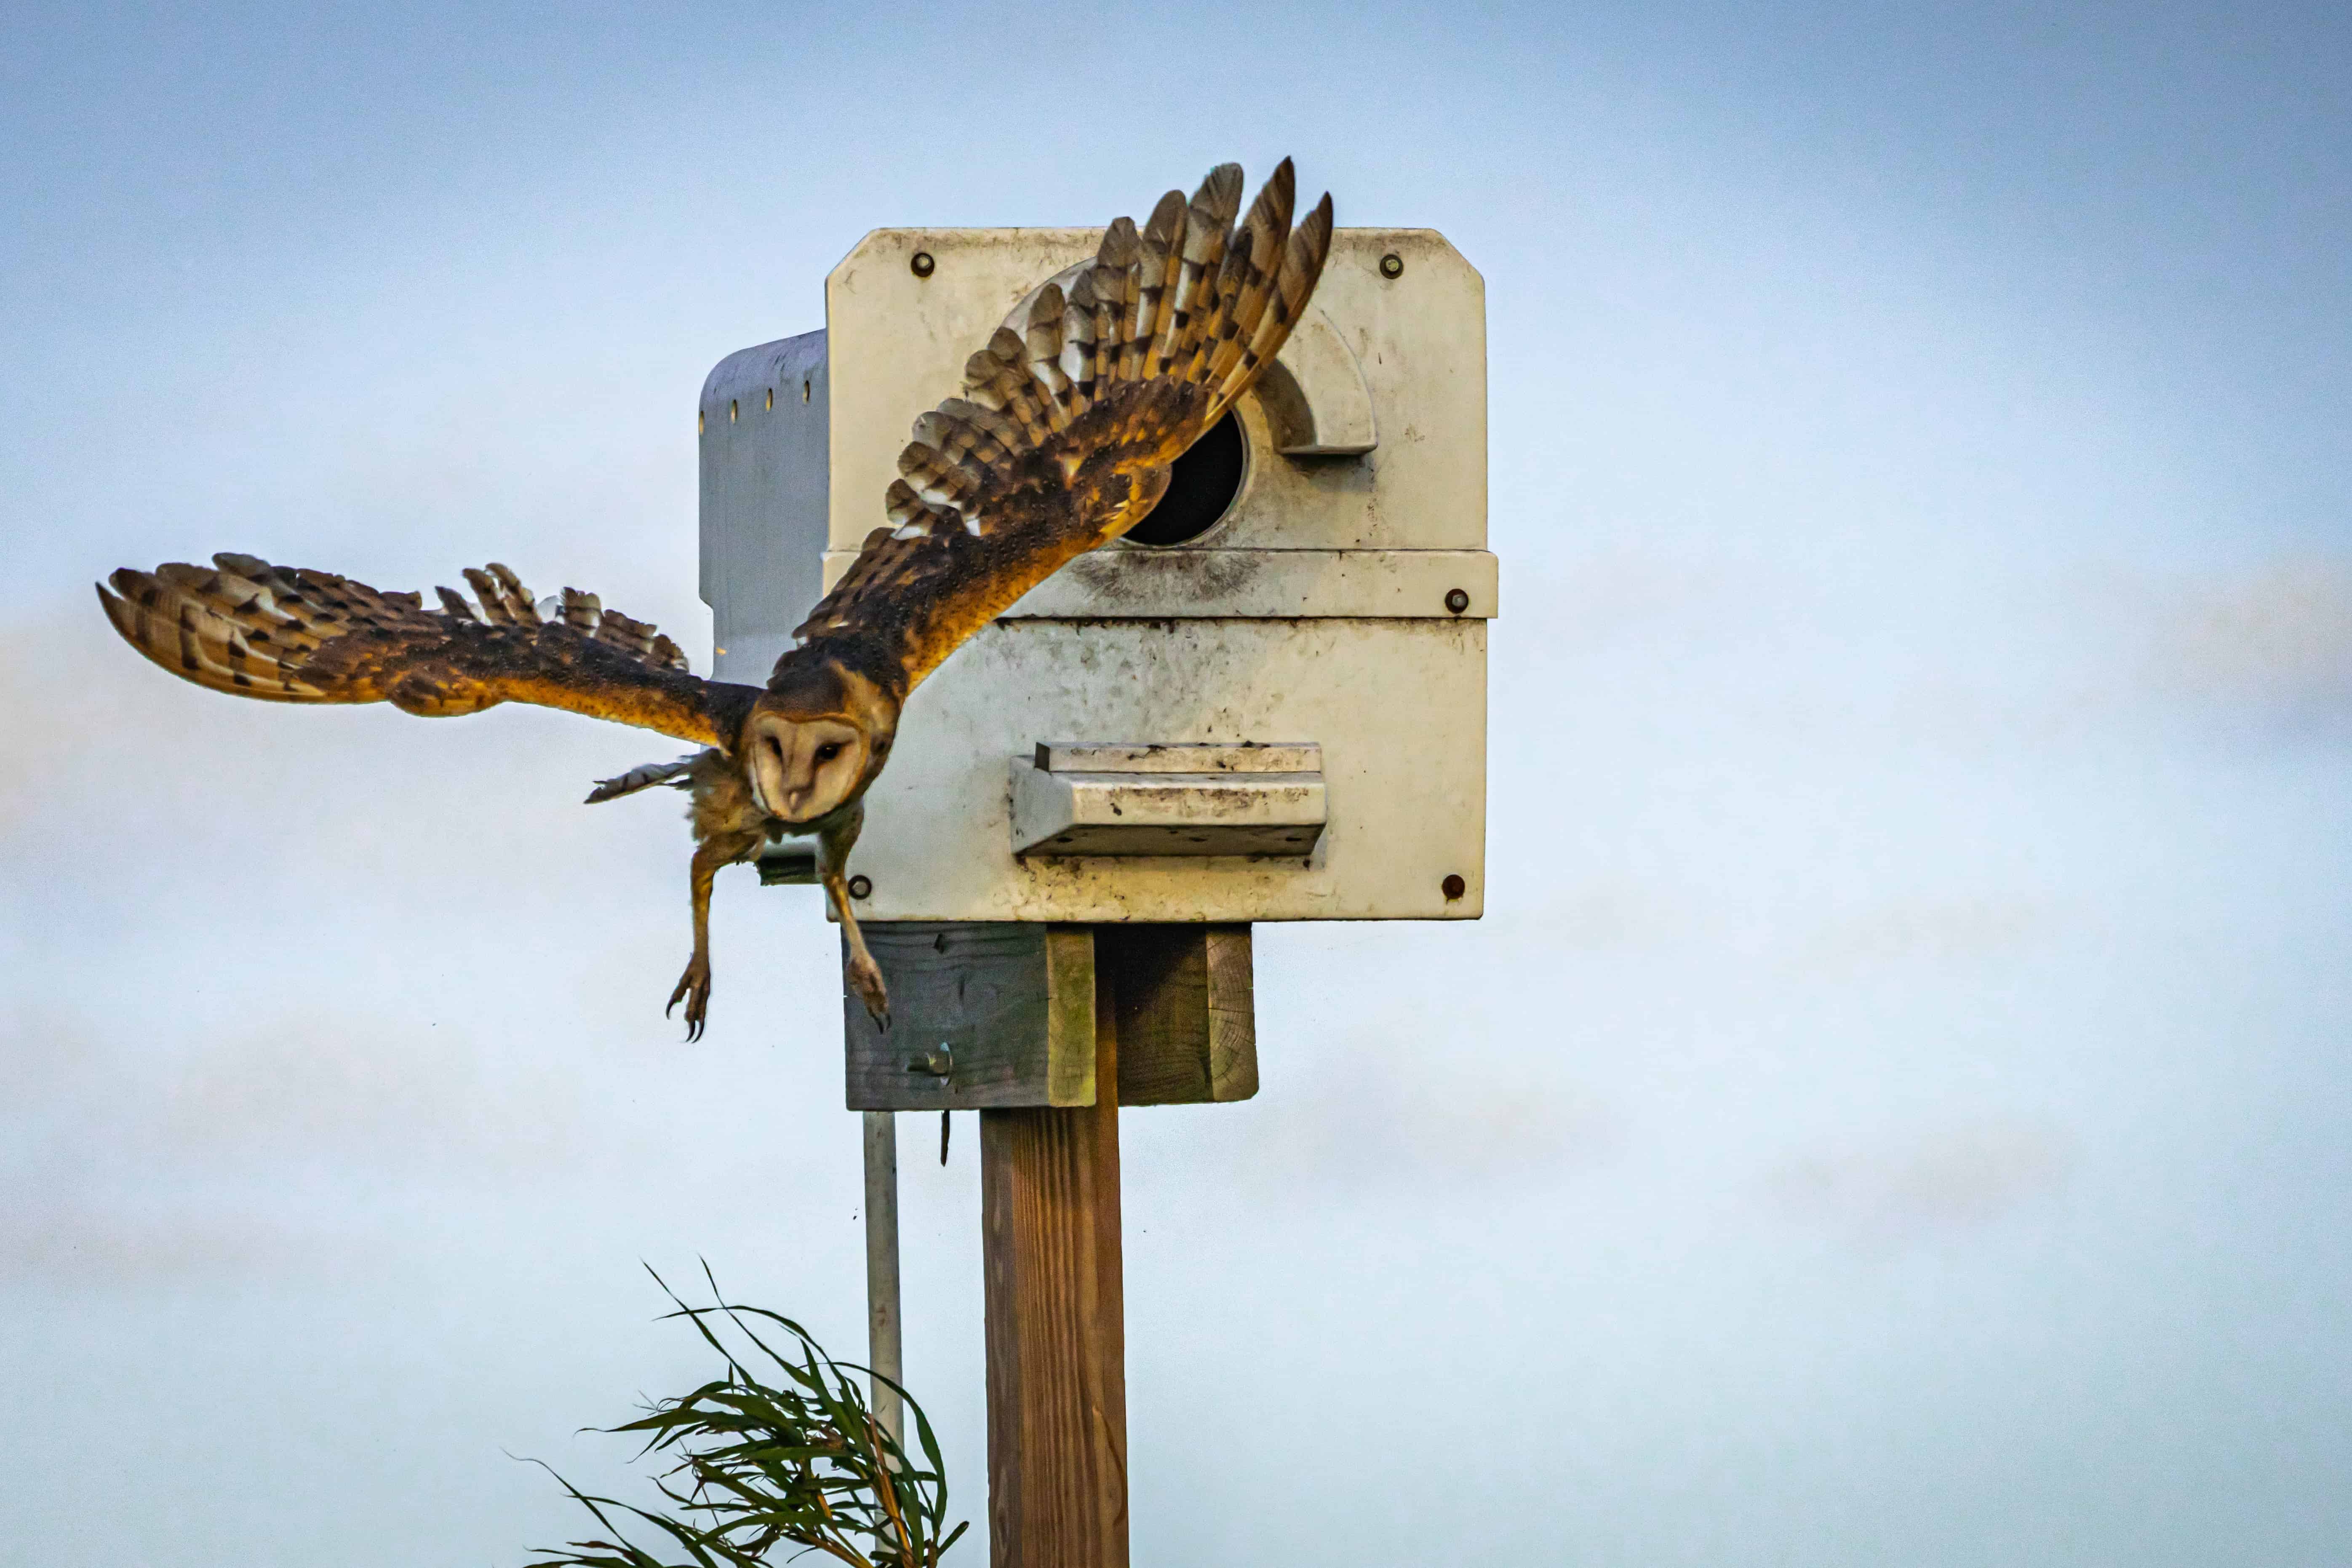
[{"x": 1200, "y": 488}]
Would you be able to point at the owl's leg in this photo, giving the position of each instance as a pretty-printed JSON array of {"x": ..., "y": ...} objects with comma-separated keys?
[
  {"x": 694, "y": 986},
  {"x": 865, "y": 975}
]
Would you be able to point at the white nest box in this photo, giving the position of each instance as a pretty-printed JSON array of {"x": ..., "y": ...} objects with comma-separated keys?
[{"x": 1268, "y": 704}]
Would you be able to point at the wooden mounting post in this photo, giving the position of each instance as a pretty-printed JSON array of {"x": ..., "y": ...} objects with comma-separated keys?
[
  {"x": 1057, "y": 1324},
  {"x": 1046, "y": 1031}
]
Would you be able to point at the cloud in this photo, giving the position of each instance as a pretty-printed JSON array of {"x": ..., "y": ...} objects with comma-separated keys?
[
  {"x": 1948, "y": 1181},
  {"x": 44, "y": 707},
  {"x": 93, "y": 1244},
  {"x": 300, "y": 1086},
  {"x": 2279, "y": 639},
  {"x": 1950, "y": 931},
  {"x": 144, "y": 1158},
  {"x": 1603, "y": 915},
  {"x": 1422, "y": 1107}
]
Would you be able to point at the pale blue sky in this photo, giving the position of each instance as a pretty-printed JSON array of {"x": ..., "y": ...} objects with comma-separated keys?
[{"x": 1893, "y": 1112}]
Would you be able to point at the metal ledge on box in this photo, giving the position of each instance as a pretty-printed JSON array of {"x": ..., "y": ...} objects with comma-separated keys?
[{"x": 1156, "y": 799}]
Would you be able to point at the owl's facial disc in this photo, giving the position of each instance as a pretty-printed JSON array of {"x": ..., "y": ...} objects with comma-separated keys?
[{"x": 802, "y": 768}]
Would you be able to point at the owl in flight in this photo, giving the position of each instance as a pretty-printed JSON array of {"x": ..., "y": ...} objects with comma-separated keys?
[{"x": 1071, "y": 417}]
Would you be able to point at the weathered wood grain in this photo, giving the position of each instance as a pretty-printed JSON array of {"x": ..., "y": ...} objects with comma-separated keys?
[
  {"x": 993, "y": 1016},
  {"x": 1056, "y": 1326},
  {"x": 983, "y": 1015},
  {"x": 1187, "y": 1034},
  {"x": 1070, "y": 998},
  {"x": 1232, "y": 1013}
]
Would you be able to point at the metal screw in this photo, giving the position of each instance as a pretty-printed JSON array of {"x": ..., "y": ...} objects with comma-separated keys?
[
  {"x": 921, "y": 265},
  {"x": 861, "y": 888},
  {"x": 1456, "y": 600},
  {"x": 1391, "y": 265},
  {"x": 1453, "y": 887}
]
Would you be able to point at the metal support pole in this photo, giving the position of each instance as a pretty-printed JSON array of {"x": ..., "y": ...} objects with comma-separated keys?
[{"x": 884, "y": 1352}]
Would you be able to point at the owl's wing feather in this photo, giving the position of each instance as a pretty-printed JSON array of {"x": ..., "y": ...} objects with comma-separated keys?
[
  {"x": 1071, "y": 416},
  {"x": 289, "y": 634}
]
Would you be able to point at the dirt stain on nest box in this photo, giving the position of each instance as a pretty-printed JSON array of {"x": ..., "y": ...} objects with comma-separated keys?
[{"x": 1123, "y": 576}]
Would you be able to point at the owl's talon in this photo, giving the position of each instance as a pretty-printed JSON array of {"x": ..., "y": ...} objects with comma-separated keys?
[
  {"x": 864, "y": 977},
  {"x": 694, "y": 990}
]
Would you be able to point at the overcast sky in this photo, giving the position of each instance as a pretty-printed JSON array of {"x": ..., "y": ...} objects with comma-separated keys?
[{"x": 1893, "y": 1111}]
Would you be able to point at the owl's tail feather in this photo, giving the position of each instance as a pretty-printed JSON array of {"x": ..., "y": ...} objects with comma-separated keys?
[{"x": 674, "y": 774}]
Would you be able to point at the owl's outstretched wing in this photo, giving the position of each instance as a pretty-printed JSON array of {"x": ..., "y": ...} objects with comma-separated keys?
[
  {"x": 287, "y": 635},
  {"x": 1072, "y": 415}
]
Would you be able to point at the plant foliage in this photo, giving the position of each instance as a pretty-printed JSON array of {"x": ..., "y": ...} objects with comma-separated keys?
[{"x": 795, "y": 1466}]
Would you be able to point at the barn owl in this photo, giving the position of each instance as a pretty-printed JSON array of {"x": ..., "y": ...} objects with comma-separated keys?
[{"x": 1070, "y": 418}]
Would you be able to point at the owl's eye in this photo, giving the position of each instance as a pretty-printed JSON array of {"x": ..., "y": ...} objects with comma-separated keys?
[{"x": 829, "y": 750}]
